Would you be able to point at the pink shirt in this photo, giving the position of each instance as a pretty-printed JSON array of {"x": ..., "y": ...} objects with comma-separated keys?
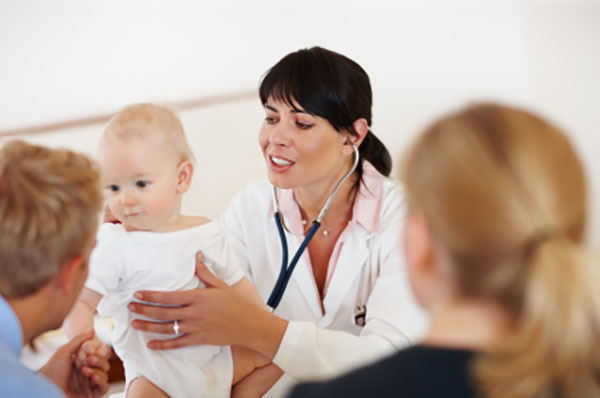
[{"x": 365, "y": 213}]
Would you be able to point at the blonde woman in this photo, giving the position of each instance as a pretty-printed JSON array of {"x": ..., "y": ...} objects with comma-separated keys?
[{"x": 494, "y": 246}]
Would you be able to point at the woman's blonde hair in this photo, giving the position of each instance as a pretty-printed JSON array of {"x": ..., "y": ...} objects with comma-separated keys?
[
  {"x": 50, "y": 201},
  {"x": 504, "y": 192}
]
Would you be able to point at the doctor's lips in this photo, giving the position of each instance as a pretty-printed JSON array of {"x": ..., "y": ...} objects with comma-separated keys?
[{"x": 280, "y": 163}]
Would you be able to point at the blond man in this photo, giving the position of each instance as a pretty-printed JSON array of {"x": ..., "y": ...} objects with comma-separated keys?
[{"x": 49, "y": 208}]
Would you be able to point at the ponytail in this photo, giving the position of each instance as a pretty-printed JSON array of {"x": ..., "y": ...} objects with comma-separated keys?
[
  {"x": 512, "y": 220},
  {"x": 373, "y": 150},
  {"x": 554, "y": 350}
]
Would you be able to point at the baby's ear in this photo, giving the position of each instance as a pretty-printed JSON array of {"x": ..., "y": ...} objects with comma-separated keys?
[{"x": 184, "y": 176}]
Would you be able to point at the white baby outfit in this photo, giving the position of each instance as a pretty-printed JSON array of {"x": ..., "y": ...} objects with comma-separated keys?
[{"x": 124, "y": 262}]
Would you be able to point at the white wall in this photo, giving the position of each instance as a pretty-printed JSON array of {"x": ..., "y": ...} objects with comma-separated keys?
[{"x": 65, "y": 59}]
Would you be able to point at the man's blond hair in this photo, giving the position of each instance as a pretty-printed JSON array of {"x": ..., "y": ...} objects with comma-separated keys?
[{"x": 50, "y": 201}]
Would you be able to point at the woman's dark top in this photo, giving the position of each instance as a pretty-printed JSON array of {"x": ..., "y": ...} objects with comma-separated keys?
[{"x": 419, "y": 372}]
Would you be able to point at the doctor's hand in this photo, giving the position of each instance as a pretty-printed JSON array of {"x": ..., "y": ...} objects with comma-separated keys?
[{"x": 216, "y": 315}]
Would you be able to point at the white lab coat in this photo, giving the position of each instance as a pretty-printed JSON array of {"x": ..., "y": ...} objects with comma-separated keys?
[{"x": 370, "y": 271}]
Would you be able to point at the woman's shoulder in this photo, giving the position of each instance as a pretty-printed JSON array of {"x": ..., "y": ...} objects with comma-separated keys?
[
  {"x": 258, "y": 187},
  {"x": 256, "y": 194},
  {"x": 253, "y": 202},
  {"x": 416, "y": 367},
  {"x": 419, "y": 362},
  {"x": 387, "y": 192},
  {"x": 392, "y": 191},
  {"x": 393, "y": 204},
  {"x": 420, "y": 365}
]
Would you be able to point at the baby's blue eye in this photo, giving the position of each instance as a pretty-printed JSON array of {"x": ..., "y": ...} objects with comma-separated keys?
[
  {"x": 113, "y": 188},
  {"x": 141, "y": 184}
]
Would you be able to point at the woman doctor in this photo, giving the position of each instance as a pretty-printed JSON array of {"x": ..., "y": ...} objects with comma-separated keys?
[{"x": 348, "y": 301}]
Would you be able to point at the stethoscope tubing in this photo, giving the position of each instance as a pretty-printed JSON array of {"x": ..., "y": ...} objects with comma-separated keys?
[{"x": 286, "y": 270}]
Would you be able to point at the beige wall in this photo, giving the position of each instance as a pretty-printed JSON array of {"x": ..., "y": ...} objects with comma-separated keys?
[{"x": 67, "y": 58}]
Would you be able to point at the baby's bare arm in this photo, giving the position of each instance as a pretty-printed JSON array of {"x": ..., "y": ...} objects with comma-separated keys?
[
  {"x": 253, "y": 373},
  {"x": 81, "y": 320},
  {"x": 257, "y": 383},
  {"x": 81, "y": 317}
]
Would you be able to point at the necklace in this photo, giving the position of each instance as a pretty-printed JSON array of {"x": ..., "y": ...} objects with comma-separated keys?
[{"x": 325, "y": 231}]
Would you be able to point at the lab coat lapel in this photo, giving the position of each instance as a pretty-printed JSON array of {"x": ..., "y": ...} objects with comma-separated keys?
[
  {"x": 350, "y": 262},
  {"x": 303, "y": 277}
]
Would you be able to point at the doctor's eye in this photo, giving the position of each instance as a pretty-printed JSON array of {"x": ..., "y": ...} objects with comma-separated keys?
[
  {"x": 113, "y": 188},
  {"x": 303, "y": 126},
  {"x": 142, "y": 184},
  {"x": 270, "y": 120}
]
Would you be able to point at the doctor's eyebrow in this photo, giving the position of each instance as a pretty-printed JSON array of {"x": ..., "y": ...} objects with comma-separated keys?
[{"x": 293, "y": 110}]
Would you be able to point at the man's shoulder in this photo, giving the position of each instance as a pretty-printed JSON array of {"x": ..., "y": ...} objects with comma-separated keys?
[{"x": 16, "y": 380}]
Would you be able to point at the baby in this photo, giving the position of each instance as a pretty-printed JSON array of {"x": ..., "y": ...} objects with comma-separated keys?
[{"x": 147, "y": 167}]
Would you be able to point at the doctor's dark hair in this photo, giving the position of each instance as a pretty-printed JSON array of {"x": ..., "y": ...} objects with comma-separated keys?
[{"x": 330, "y": 85}]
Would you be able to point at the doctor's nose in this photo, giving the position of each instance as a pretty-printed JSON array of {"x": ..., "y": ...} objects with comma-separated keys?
[{"x": 279, "y": 135}]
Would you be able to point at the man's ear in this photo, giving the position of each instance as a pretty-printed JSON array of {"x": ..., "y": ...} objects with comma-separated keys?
[
  {"x": 361, "y": 128},
  {"x": 70, "y": 271},
  {"x": 185, "y": 171}
]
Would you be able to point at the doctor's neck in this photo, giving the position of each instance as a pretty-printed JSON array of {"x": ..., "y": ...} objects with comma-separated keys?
[{"x": 311, "y": 199}]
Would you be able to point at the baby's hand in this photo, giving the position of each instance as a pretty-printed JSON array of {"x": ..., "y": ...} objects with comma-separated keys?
[{"x": 90, "y": 348}]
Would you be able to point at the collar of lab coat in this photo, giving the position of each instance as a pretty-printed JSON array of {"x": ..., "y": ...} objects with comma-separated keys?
[
  {"x": 366, "y": 214},
  {"x": 366, "y": 210}
]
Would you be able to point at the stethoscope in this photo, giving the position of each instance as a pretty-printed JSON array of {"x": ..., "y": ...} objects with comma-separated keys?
[{"x": 286, "y": 270}]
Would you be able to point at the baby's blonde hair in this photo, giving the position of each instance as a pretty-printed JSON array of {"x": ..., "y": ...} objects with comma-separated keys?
[
  {"x": 145, "y": 120},
  {"x": 50, "y": 201},
  {"x": 504, "y": 193}
]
